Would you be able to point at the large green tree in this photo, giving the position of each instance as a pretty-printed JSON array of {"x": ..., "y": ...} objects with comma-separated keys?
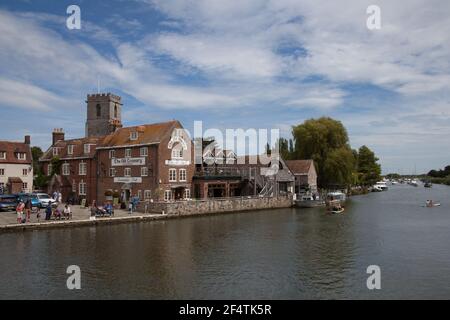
[
  {"x": 325, "y": 140},
  {"x": 369, "y": 171}
]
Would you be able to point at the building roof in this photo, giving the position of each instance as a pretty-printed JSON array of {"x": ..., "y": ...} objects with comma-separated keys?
[
  {"x": 12, "y": 148},
  {"x": 299, "y": 166},
  {"x": 14, "y": 180},
  {"x": 147, "y": 134},
  {"x": 78, "y": 149}
]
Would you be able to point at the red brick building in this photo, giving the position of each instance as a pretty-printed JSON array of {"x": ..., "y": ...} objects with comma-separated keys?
[{"x": 152, "y": 161}]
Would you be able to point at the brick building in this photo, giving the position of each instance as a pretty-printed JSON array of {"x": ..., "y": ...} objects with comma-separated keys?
[
  {"x": 151, "y": 161},
  {"x": 16, "y": 170}
]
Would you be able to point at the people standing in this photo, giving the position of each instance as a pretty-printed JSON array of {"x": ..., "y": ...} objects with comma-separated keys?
[
  {"x": 59, "y": 197},
  {"x": 48, "y": 212},
  {"x": 28, "y": 207},
  {"x": 19, "y": 210},
  {"x": 67, "y": 212}
]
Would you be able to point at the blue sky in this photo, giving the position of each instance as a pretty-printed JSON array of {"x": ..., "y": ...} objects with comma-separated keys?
[{"x": 236, "y": 64}]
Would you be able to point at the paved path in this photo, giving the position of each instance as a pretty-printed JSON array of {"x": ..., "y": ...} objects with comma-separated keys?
[{"x": 9, "y": 218}]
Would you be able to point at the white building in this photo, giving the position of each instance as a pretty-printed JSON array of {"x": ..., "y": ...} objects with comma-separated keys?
[{"x": 16, "y": 169}]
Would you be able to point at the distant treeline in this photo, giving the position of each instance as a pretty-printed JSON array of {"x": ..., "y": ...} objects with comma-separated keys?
[{"x": 440, "y": 176}]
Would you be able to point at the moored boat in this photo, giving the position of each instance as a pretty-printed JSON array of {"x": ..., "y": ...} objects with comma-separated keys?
[
  {"x": 427, "y": 184},
  {"x": 308, "y": 201}
]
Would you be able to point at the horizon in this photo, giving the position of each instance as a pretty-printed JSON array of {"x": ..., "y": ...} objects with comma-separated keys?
[{"x": 193, "y": 61}]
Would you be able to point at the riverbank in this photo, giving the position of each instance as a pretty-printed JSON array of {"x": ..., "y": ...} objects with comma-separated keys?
[{"x": 155, "y": 211}]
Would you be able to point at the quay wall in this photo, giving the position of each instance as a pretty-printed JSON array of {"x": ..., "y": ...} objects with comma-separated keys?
[{"x": 222, "y": 205}]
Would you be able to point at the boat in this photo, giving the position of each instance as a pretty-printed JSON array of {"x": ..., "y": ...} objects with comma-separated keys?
[
  {"x": 376, "y": 188},
  {"x": 335, "y": 207},
  {"x": 381, "y": 185},
  {"x": 427, "y": 184},
  {"x": 413, "y": 183},
  {"x": 309, "y": 201},
  {"x": 431, "y": 204},
  {"x": 336, "y": 195}
]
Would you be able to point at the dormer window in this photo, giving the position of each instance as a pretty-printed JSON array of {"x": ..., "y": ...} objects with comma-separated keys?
[
  {"x": 133, "y": 135},
  {"x": 2, "y": 155},
  {"x": 70, "y": 149},
  {"x": 87, "y": 148},
  {"x": 21, "y": 156}
]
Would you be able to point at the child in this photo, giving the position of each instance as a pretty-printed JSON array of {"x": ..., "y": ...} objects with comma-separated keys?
[
  {"x": 67, "y": 212},
  {"x": 48, "y": 212},
  {"x": 19, "y": 210}
]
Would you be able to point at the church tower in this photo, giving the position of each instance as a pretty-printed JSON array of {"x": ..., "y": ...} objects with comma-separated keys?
[{"x": 103, "y": 114}]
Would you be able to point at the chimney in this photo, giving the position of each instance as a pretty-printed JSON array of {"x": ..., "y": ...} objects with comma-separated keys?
[
  {"x": 57, "y": 135},
  {"x": 27, "y": 140}
]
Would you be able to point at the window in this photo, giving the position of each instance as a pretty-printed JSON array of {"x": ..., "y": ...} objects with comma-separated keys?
[
  {"x": 139, "y": 194},
  {"x": 167, "y": 195},
  {"x": 115, "y": 111},
  {"x": 144, "y": 152},
  {"x": 182, "y": 174},
  {"x": 70, "y": 149},
  {"x": 147, "y": 194},
  {"x": 82, "y": 169},
  {"x": 2, "y": 172},
  {"x": 25, "y": 186},
  {"x": 187, "y": 193},
  {"x": 127, "y": 153},
  {"x": 133, "y": 135},
  {"x": 24, "y": 172},
  {"x": 2, "y": 186},
  {"x": 98, "y": 110},
  {"x": 112, "y": 154},
  {"x": 82, "y": 188},
  {"x": 127, "y": 172},
  {"x": 172, "y": 175},
  {"x": 66, "y": 169},
  {"x": 87, "y": 148},
  {"x": 74, "y": 186},
  {"x": 2, "y": 155},
  {"x": 112, "y": 172},
  {"x": 21, "y": 156},
  {"x": 144, "y": 171},
  {"x": 177, "y": 153},
  {"x": 49, "y": 169}
]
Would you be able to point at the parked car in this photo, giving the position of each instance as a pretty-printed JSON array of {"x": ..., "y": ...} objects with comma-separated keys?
[
  {"x": 45, "y": 200},
  {"x": 34, "y": 199},
  {"x": 8, "y": 202}
]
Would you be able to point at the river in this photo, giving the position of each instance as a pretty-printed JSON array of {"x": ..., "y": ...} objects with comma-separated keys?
[{"x": 273, "y": 254}]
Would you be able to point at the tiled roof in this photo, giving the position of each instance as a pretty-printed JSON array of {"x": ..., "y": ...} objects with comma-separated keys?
[
  {"x": 147, "y": 134},
  {"x": 78, "y": 148},
  {"x": 299, "y": 166},
  {"x": 12, "y": 148}
]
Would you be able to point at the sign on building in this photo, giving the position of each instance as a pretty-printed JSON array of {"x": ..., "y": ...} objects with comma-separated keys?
[
  {"x": 128, "y": 161},
  {"x": 128, "y": 180}
]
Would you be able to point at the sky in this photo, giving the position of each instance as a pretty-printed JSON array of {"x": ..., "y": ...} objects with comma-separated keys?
[{"x": 235, "y": 64}]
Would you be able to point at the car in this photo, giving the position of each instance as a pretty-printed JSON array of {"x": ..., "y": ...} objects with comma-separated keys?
[
  {"x": 45, "y": 200},
  {"x": 8, "y": 202},
  {"x": 32, "y": 196}
]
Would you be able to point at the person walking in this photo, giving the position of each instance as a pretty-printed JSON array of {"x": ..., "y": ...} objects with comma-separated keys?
[
  {"x": 19, "y": 210},
  {"x": 28, "y": 208}
]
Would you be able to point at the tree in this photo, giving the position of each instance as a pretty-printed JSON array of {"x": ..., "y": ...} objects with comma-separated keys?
[
  {"x": 324, "y": 140},
  {"x": 283, "y": 148},
  {"x": 36, "y": 154},
  {"x": 369, "y": 171}
]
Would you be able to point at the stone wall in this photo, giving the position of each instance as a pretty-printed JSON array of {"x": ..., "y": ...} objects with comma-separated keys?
[{"x": 193, "y": 207}]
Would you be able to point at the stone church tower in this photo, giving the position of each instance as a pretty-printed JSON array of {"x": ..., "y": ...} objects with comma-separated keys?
[{"x": 103, "y": 114}]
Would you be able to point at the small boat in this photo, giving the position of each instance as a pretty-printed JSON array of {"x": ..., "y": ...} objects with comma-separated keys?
[
  {"x": 376, "y": 188},
  {"x": 414, "y": 183},
  {"x": 337, "y": 211},
  {"x": 431, "y": 204},
  {"x": 427, "y": 185},
  {"x": 381, "y": 185}
]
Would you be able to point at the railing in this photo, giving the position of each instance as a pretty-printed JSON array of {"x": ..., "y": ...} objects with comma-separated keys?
[{"x": 222, "y": 172}]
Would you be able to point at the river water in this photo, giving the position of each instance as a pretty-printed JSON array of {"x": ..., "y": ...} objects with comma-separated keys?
[{"x": 273, "y": 254}]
